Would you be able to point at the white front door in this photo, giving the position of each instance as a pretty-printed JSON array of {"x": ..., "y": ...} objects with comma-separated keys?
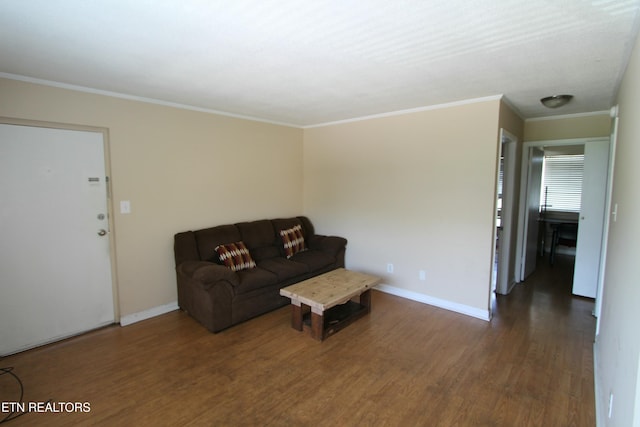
[
  {"x": 592, "y": 215},
  {"x": 55, "y": 266}
]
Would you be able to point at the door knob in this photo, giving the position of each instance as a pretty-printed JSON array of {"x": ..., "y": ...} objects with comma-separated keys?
[{"x": 102, "y": 232}]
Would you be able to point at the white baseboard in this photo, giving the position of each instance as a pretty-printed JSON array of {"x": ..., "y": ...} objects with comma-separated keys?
[
  {"x": 148, "y": 314},
  {"x": 425, "y": 299},
  {"x": 414, "y": 296}
]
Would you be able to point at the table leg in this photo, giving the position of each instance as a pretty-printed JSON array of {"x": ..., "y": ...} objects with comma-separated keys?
[
  {"x": 296, "y": 315},
  {"x": 365, "y": 300},
  {"x": 317, "y": 326}
]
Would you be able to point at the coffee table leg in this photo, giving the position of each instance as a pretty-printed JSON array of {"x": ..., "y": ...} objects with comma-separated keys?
[
  {"x": 296, "y": 315},
  {"x": 365, "y": 300},
  {"x": 317, "y": 326}
]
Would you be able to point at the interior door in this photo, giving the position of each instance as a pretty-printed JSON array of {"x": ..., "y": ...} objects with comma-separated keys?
[
  {"x": 592, "y": 219},
  {"x": 532, "y": 212},
  {"x": 55, "y": 267}
]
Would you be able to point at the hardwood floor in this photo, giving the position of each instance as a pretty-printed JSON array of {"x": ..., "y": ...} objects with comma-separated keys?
[{"x": 406, "y": 364}]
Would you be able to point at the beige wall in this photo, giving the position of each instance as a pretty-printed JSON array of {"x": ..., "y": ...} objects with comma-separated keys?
[
  {"x": 416, "y": 190},
  {"x": 422, "y": 184},
  {"x": 180, "y": 169},
  {"x": 511, "y": 121},
  {"x": 618, "y": 344},
  {"x": 567, "y": 127}
]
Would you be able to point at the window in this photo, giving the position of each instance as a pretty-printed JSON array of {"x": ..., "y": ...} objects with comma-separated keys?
[{"x": 562, "y": 182}]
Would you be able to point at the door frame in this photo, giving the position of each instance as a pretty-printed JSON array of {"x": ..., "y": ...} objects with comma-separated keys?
[
  {"x": 107, "y": 167},
  {"x": 504, "y": 280},
  {"x": 521, "y": 239},
  {"x": 608, "y": 213}
]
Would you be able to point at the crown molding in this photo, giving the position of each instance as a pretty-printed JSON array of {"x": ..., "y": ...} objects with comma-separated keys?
[
  {"x": 569, "y": 116},
  {"x": 139, "y": 99},
  {"x": 408, "y": 111}
]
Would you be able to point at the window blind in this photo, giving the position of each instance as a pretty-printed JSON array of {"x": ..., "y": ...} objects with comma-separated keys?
[{"x": 562, "y": 182}]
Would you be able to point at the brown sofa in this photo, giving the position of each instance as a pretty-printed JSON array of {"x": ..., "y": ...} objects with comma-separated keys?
[{"x": 219, "y": 297}]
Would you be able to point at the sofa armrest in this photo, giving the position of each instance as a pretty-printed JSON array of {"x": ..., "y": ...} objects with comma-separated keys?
[
  {"x": 332, "y": 245},
  {"x": 207, "y": 273},
  {"x": 206, "y": 292}
]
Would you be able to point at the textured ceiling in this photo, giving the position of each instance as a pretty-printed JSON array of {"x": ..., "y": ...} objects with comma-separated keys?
[{"x": 304, "y": 62}]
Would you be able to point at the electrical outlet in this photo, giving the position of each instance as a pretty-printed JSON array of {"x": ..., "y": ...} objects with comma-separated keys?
[
  {"x": 389, "y": 268},
  {"x": 125, "y": 207},
  {"x": 422, "y": 275}
]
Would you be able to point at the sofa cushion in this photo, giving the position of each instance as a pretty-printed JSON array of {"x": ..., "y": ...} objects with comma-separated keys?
[
  {"x": 236, "y": 256},
  {"x": 208, "y": 238},
  {"x": 315, "y": 260},
  {"x": 260, "y": 238},
  {"x": 285, "y": 223},
  {"x": 293, "y": 240},
  {"x": 255, "y": 278},
  {"x": 284, "y": 268}
]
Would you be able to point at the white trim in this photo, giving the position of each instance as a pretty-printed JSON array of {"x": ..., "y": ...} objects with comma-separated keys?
[
  {"x": 237, "y": 116},
  {"x": 613, "y": 142},
  {"x": 148, "y": 314},
  {"x": 600, "y": 420},
  {"x": 436, "y": 302},
  {"x": 508, "y": 149},
  {"x": 569, "y": 116},
  {"x": 408, "y": 111},
  {"x": 561, "y": 142},
  {"x": 273, "y": 122},
  {"x": 139, "y": 99}
]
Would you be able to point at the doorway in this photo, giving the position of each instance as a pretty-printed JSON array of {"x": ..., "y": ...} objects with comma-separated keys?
[
  {"x": 591, "y": 213},
  {"x": 503, "y": 272},
  {"x": 55, "y": 256}
]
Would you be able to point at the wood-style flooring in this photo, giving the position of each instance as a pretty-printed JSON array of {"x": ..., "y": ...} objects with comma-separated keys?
[{"x": 405, "y": 364}]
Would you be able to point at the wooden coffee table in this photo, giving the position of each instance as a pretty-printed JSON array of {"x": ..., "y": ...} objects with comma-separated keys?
[{"x": 323, "y": 303}]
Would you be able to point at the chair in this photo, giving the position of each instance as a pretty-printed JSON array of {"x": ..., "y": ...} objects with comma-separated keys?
[{"x": 565, "y": 234}]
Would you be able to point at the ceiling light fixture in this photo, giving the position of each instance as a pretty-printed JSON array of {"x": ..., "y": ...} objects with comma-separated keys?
[{"x": 556, "y": 101}]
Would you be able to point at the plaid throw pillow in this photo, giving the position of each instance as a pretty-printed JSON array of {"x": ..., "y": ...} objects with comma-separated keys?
[
  {"x": 293, "y": 240},
  {"x": 236, "y": 256}
]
